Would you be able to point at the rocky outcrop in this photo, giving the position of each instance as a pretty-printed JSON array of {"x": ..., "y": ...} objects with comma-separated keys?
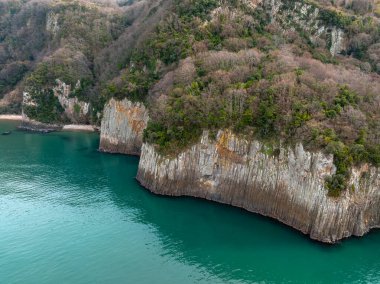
[
  {"x": 28, "y": 124},
  {"x": 75, "y": 109},
  {"x": 288, "y": 187},
  {"x": 306, "y": 17},
  {"x": 122, "y": 127},
  {"x": 52, "y": 23},
  {"x": 337, "y": 38}
]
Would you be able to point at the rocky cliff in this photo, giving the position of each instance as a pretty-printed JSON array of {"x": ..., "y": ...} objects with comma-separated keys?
[
  {"x": 36, "y": 113},
  {"x": 122, "y": 127},
  {"x": 288, "y": 187},
  {"x": 75, "y": 110},
  {"x": 307, "y": 17}
]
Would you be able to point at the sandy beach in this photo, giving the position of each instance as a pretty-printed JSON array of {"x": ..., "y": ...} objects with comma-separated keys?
[
  {"x": 78, "y": 127},
  {"x": 10, "y": 117},
  {"x": 68, "y": 127}
]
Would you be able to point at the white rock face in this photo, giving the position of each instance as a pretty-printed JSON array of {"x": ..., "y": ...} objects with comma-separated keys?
[
  {"x": 337, "y": 37},
  {"x": 52, "y": 23},
  {"x": 289, "y": 188},
  {"x": 306, "y": 17},
  {"x": 122, "y": 127},
  {"x": 27, "y": 99},
  {"x": 75, "y": 110}
]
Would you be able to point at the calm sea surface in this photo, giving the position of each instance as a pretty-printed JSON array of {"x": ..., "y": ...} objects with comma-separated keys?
[{"x": 69, "y": 214}]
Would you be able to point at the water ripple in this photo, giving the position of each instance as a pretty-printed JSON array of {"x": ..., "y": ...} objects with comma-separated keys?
[{"x": 69, "y": 214}]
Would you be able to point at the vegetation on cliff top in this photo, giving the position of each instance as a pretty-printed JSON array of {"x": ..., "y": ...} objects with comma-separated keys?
[
  {"x": 268, "y": 72},
  {"x": 246, "y": 73},
  {"x": 232, "y": 66}
]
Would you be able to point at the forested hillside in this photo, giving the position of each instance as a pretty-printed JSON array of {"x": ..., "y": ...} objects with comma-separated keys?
[
  {"x": 279, "y": 71},
  {"x": 85, "y": 41}
]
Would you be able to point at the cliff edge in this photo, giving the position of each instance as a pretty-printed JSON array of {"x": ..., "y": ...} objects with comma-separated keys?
[
  {"x": 122, "y": 127},
  {"x": 288, "y": 187}
]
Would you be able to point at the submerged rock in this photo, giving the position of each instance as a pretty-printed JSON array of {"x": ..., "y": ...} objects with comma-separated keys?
[
  {"x": 288, "y": 187},
  {"x": 122, "y": 127}
]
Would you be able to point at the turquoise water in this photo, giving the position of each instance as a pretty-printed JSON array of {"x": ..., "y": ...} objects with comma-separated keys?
[{"x": 69, "y": 214}]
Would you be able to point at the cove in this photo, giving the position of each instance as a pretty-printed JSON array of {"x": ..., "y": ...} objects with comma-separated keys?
[{"x": 70, "y": 214}]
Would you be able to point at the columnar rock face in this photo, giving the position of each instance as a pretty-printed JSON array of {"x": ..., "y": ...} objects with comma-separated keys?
[
  {"x": 288, "y": 186},
  {"x": 122, "y": 127}
]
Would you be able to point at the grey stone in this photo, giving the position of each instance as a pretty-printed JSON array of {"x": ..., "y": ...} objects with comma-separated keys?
[
  {"x": 289, "y": 187},
  {"x": 122, "y": 127}
]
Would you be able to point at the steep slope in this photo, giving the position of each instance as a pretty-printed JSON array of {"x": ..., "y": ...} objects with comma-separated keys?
[
  {"x": 290, "y": 80},
  {"x": 122, "y": 127},
  {"x": 288, "y": 186},
  {"x": 280, "y": 74},
  {"x": 60, "y": 53}
]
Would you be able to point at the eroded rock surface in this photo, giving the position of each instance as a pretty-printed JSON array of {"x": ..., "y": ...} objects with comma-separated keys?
[
  {"x": 288, "y": 187},
  {"x": 76, "y": 110},
  {"x": 298, "y": 15},
  {"x": 122, "y": 127}
]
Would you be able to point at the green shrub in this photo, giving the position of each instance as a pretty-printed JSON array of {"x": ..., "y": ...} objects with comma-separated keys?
[
  {"x": 336, "y": 184},
  {"x": 300, "y": 116},
  {"x": 47, "y": 109},
  {"x": 374, "y": 155},
  {"x": 344, "y": 98},
  {"x": 81, "y": 91},
  {"x": 324, "y": 56},
  {"x": 334, "y": 18},
  {"x": 359, "y": 153},
  {"x": 343, "y": 162},
  {"x": 267, "y": 116},
  {"x": 196, "y": 8}
]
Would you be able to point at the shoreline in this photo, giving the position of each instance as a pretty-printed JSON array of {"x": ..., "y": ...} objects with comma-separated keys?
[
  {"x": 67, "y": 127},
  {"x": 14, "y": 117},
  {"x": 79, "y": 127}
]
